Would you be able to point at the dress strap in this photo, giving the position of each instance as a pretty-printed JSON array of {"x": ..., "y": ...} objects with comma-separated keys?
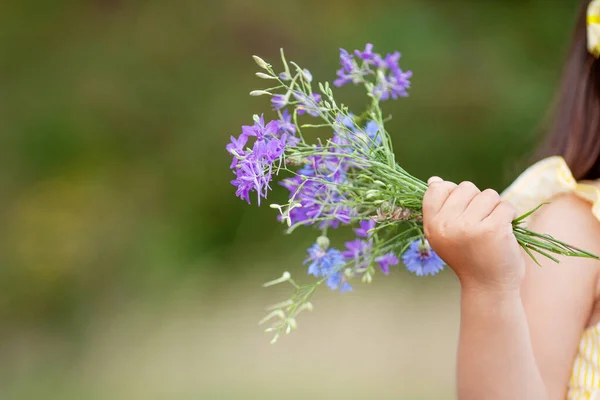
[{"x": 545, "y": 180}]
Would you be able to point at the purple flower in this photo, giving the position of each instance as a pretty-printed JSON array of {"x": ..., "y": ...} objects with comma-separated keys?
[
  {"x": 260, "y": 130},
  {"x": 251, "y": 176},
  {"x": 286, "y": 124},
  {"x": 342, "y": 78},
  {"x": 421, "y": 259},
  {"x": 367, "y": 54},
  {"x": 365, "y": 227},
  {"x": 315, "y": 187},
  {"x": 391, "y": 62},
  {"x": 358, "y": 251},
  {"x": 278, "y": 101},
  {"x": 254, "y": 171},
  {"x": 385, "y": 261},
  {"x": 391, "y": 81},
  {"x": 346, "y": 61},
  {"x": 306, "y": 104},
  {"x": 393, "y": 85},
  {"x": 236, "y": 148},
  {"x": 350, "y": 71},
  {"x": 254, "y": 168}
]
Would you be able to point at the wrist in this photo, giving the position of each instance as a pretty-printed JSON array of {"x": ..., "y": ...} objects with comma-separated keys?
[
  {"x": 492, "y": 287},
  {"x": 490, "y": 297}
]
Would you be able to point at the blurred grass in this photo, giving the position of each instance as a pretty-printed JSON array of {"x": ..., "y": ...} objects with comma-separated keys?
[{"x": 118, "y": 219}]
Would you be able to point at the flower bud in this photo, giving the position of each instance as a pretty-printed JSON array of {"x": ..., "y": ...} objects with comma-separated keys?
[
  {"x": 284, "y": 278},
  {"x": 277, "y": 313},
  {"x": 260, "y": 62},
  {"x": 367, "y": 278},
  {"x": 372, "y": 193},
  {"x": 293, "y": 323},
  {"x": 307, "y": 75},
  {"x": 323, "y": 242},
  {"x": 259, "y": 92},
  {"x": 424, "y": 248},
  {"x": 281, "y": 305},
  {"x": 274, "y": 340},
  {"x": 262, "y": 75}
]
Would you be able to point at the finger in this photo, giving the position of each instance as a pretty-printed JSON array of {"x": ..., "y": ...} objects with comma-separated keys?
[
  {"x": 435, "y": 196},
  {"x": 459, "y": 199},
  {"x": 504, "y": 213},
  {"x": 482, "y": 205}
]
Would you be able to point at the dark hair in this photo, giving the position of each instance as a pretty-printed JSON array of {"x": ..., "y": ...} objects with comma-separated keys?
[{"x": 574, "y": 131}]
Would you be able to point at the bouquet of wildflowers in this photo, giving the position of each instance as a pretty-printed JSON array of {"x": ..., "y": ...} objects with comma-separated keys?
[{"x": 350, "y": 178}]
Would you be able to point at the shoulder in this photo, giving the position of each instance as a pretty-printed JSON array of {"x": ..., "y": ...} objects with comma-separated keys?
[{"x": 568, "y": 217}]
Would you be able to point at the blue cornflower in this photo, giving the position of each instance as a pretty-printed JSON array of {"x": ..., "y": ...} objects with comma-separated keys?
[
  {"x": 421, "y": 259},
  {"x": 327, "y": 263},
  {"x": 385, "y": 261},
  {"x": 336, "y": 280},
  {"x": 323, "y": 261},
  {"x": 348, "y": 122},
  {"x": 372, "y": 131}
]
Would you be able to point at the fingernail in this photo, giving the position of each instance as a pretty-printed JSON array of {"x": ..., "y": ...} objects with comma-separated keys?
[{"x": 434, "y": 179}]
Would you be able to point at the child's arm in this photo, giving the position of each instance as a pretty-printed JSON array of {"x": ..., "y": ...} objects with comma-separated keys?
[{"x": 515, "y": 342}]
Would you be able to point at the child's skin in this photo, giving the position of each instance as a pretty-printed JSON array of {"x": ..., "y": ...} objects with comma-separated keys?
[{"x": 520, "y": 324}]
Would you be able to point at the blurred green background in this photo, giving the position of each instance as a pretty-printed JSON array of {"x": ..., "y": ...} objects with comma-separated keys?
[{"x": 129, "y": 269}]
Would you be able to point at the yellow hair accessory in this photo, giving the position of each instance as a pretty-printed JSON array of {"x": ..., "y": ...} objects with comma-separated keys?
[{"x": 593, "y": 28}]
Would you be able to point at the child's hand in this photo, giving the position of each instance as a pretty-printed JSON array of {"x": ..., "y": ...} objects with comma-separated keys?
[{"x": 472, "y": 232}]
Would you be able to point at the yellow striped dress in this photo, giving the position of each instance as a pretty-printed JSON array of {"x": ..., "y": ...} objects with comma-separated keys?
[{"x": 539, "y": 183}]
